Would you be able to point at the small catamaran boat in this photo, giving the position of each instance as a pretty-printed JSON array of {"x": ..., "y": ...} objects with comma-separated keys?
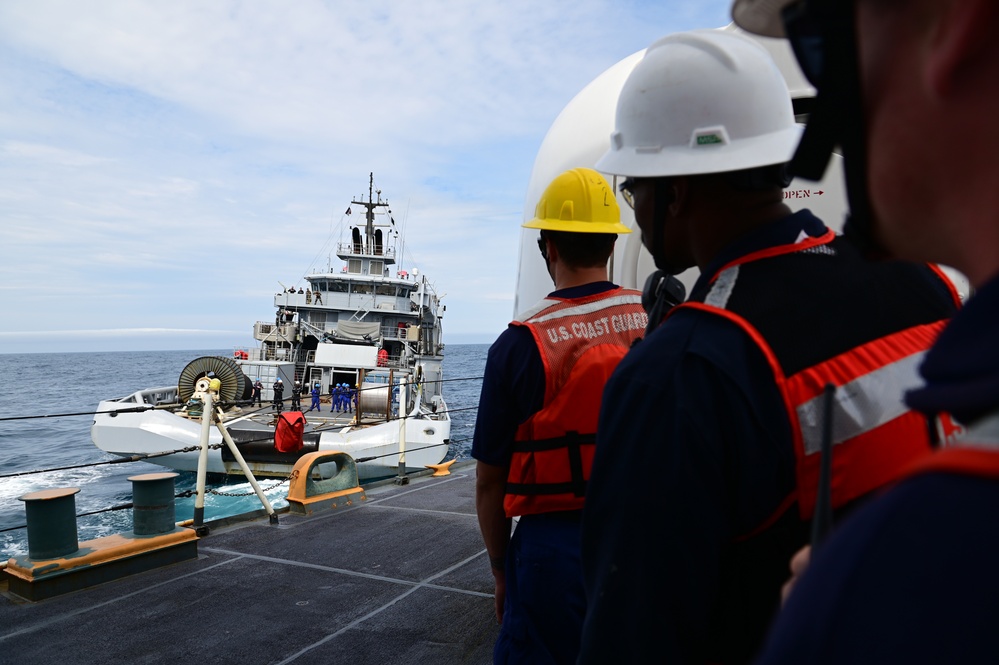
[{"x": 365, "y": 328}]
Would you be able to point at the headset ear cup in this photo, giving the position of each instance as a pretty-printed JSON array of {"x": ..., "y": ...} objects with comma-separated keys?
[
  {"x": 651, "y": 290},
  {"x": 674, "y": 291},
  {"x": 785, "y": 177},
  {"x": 662, "y": 292}
]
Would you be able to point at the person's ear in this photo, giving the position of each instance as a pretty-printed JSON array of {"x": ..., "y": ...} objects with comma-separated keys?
[
  {"x": 552, "y": 251},
  {"x": 680, "y": 195}
]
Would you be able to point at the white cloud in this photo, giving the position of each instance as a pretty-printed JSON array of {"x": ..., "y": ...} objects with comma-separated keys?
[
  {"x": 49, "y": 155},
  {"x": 113, "y": 332},
  {"x": 165, "y": 164}
]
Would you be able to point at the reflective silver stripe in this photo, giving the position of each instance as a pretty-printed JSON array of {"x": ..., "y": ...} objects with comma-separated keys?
[
  {"x": 863, "y": 404},
  {"x": 983, "y": 433},
  {"x": 590, "y": 307},
  {"x": 722, "y": 288},
  {"x": 539, "y": 307}
]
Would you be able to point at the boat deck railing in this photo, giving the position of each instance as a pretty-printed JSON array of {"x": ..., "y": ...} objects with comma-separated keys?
[{"x": 358, "y": 249}]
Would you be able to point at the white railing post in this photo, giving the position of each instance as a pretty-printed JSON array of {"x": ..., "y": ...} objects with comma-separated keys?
[
  {"x": 402, "y": 479},
  {"x": 199, "y": 501},
  {"x": 271, "y": 515}
]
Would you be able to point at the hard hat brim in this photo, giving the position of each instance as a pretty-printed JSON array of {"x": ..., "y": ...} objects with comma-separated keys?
[
  {"x": 774, "y": 148},
  {"x": 570, "y": 226}
]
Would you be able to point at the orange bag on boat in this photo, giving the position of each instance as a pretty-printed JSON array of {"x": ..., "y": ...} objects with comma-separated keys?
[{"x": 288, "y": 434}]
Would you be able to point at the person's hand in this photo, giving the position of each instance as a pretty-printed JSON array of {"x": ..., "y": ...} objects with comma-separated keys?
[
  {"x": 500, "y": 594},
  {"x": 799, "y": 562}
]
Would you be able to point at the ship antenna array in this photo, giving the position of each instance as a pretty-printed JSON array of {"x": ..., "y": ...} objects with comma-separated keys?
[{"x": 369, "y": 212}]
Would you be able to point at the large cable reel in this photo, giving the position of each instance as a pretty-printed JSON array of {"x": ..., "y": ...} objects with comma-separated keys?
[{"x": 235, "y": 384}]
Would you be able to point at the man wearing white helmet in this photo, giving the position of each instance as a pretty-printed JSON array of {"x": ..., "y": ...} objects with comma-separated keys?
[
  {"x": 907, "y": 91},
  {"x": 534, "y": 433},
  {"x": 708, "y": 450},
  {"x": 255, "y": 397},
  {"x": 278, "y": 389}
]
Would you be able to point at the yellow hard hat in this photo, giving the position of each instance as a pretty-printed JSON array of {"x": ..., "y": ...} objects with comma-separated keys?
[{"x": 578, "y": 201}]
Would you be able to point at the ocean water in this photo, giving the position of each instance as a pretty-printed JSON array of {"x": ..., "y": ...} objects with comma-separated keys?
[{"x": 52, "y": 384}]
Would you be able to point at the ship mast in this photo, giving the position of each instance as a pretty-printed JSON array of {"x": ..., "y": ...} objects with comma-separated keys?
[{"x": 369, "y": 216}]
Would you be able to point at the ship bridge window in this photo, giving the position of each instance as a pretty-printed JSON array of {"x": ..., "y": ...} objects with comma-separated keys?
[
  {"x": 354, "y": 266},
  {"x": 361, "y": 288},
  {"x": 385, "y": 290},
  {"x": 338, "y": 287},
  {"x": 375, "y": 268}
]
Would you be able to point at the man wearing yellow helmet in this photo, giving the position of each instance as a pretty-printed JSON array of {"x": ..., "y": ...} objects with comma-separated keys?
[{"x": 535, "y": 429}]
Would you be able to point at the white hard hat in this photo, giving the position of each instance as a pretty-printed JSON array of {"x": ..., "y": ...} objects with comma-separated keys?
[{"x": 705, "y": 101}]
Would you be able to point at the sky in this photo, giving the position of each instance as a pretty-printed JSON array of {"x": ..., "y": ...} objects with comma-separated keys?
[{"x": 166, "y": 166}]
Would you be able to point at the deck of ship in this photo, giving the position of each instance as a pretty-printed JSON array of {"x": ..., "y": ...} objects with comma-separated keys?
[{"x": 400, "y": 578}]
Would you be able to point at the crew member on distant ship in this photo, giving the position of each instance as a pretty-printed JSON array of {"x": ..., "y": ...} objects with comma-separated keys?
[
  {"x": 534, "y": 435},
  {"x": 315, "y": 398},
  {"x": 258, "y": 389},
  {"x": 334, "y": 397},
  {"x": 278, "y": 395},
  {"x": 296, "y": 396}
]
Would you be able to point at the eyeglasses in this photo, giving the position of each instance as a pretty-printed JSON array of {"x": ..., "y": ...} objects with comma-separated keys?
[{"x": 627, "y": 189}]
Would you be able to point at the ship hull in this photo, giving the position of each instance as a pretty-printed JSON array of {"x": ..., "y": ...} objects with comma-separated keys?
[{"x": 375, "y": 447}]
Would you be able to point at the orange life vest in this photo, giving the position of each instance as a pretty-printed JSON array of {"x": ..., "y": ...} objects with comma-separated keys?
[
  {"x": 581, "y": 341},
  {"x": 874, "y": 435}
]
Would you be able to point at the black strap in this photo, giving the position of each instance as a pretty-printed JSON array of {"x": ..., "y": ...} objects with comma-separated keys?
[
  {"x": 541, "y": 445},
  {"x": 546, "y": 489},
  {"x": 572, "y": 442}
]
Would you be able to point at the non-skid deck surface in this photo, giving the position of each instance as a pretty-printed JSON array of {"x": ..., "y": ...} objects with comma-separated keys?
[{"x": 401, "y": 578}]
